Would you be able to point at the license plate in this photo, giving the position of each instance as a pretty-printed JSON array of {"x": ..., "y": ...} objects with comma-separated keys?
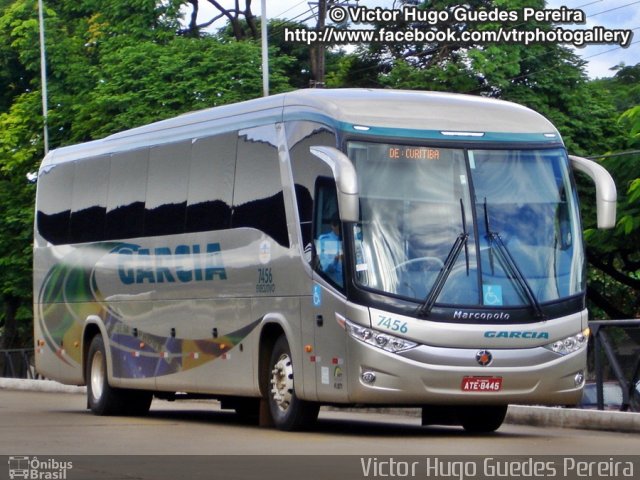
[{"x": 481, "y": 384}]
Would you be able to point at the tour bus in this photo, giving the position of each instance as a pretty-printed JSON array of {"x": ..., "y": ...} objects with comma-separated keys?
[{"x": 319, "y": 247}]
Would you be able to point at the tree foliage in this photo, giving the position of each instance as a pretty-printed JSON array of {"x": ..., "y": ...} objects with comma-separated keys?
[
  {"x": 615, "y": 255},
  {"x": 111, "y": 65}
]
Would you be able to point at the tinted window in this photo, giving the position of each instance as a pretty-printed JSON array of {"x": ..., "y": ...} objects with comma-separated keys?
[
  {"x": 307, "y": 167},
  {"x": 327, "y": 232},
  {"x": 167, "y": 183},
  {"x": 127, "y": 191},
  {"x": 55, "y": 186},
  {"x": 89, "y": 200},
  {"x": 211, "y": 183},
  {"x": 258, "y": 201}
]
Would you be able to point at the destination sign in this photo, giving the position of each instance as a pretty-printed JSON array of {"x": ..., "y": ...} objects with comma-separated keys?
[{"x": 400, "y": 152}]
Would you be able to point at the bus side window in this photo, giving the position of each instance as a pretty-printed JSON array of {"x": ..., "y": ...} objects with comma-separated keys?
[
  {"x": 213, "y": 163},
  {"x": 89, "y": 203},
  {"x": 329, "y": 251},
  {"x": 127, "y": 192},
  {"x": 167, "y": 183},
  {"x": 301, "y": 135},
  {"x": 258, "y": 199},
  {"x": 55, "y": 187}
]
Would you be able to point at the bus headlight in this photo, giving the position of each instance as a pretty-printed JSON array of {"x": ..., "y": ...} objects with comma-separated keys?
[
  {"x": 389, "y": 343},
  {"x": 570, "y": 344}
]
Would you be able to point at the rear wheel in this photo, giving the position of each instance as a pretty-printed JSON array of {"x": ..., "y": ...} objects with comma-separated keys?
[
  {"x": 482, "y": 418},
  {"x": 104, "y": 399},
  {"x": 287, "y": 410}
]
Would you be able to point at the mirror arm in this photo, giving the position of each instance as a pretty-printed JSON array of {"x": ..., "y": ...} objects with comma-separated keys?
[
  {"x": 606, "y": 194},
  {"x": 346, "y": 181}
]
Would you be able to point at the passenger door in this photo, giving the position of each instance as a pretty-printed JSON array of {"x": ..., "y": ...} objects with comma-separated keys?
[{"x": 328, "y": 300}]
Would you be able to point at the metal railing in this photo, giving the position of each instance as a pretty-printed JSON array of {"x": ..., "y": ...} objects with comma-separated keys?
[
  {"x": 17, "y": 363},
  {"x": 602, "y": 342}
]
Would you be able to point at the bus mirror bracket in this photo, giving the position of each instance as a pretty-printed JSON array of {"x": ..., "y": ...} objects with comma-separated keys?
[
  {"x": 606, "y": 194},
  {"x": 346, "y": 181}
]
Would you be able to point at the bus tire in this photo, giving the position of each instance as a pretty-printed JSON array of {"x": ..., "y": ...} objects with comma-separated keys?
[
  {"x": 482, "y": 418},
  {"x": 103, "y": 399},
  {"x": 137, "y": 402},
  {"x": 287, "y": 410},
  {"x": 248, "y": 409}
]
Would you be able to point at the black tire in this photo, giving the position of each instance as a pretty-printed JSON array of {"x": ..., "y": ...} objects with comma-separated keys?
[
  {"x": 103, "y": 399},
  {"x": 287, "y": 410},
  {"x": 248, "y": 409},
  {"x": 482, "y": 418},
  {"x": 137, "y": 402}
]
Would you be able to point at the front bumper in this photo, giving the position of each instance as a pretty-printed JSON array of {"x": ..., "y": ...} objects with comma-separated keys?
[{"x": 434, "y": 375}]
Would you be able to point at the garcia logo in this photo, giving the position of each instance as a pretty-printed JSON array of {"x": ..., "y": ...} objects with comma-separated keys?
[
  {"x": 185, "y": 263},
  {"x": 516, "y": 334}
]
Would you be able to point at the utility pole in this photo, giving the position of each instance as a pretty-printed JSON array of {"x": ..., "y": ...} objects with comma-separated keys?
[
  {"x": 317, "y": 50},
  {"x": 43, "y": 78}
]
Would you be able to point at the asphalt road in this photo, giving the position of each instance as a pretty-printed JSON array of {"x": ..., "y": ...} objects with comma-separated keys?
[{"x": 40, "y": 423}]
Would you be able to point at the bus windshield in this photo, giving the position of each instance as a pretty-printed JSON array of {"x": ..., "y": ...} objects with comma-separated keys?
[{"x": 451, "y": 226}]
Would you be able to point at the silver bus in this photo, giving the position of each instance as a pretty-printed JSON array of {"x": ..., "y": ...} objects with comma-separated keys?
[{"x": 319, "y": 247}]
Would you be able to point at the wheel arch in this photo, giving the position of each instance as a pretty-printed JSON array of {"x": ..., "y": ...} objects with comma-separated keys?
[
  {"x": 94, "y": 326},
  {"x": 273, "y": 327}
]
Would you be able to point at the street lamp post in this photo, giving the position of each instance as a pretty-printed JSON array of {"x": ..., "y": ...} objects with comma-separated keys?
[
  {"x": 43, "y": 77},
  {"x": 265, "y": 50}
]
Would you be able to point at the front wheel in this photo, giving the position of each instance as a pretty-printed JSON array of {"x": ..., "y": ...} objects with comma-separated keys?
[
  {"x": 287, "y": 410},
  {"x": 103, "y": 399},
  {"x": 482, "y": 418}
]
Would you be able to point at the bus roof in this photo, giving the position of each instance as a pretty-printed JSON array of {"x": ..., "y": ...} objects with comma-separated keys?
[{"x": 383, "y": 109}]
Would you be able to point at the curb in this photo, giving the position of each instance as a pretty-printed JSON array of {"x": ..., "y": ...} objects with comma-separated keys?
[
  {"x": 628, "y": 422},
  {"x": 38, "y": 386},
  {"x": 614, "y": 421}
]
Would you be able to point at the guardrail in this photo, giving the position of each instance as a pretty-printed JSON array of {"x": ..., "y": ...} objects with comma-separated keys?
[
  {"x": 17, "y": 363},
  {"x": 603, "y": 343}
]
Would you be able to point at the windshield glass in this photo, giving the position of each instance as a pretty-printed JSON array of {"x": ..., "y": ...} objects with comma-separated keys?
[{"x": 440, "y": 222}]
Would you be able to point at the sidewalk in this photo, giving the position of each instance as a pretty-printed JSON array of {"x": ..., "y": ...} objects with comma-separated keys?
[{"x": 517, "y": 414}]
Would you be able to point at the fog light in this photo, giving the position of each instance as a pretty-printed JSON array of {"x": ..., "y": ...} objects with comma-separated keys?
[
  {"x": 369, "y": 377},
  {"x": 579, "y": 378}
]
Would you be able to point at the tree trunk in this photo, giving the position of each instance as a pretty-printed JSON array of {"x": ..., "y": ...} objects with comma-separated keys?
[{"x": 10, "y": 331}]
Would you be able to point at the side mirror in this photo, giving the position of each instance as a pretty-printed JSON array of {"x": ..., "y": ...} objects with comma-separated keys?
[
  {"x": 606, "y": 194},
  {"x": 346, "y": 181}
]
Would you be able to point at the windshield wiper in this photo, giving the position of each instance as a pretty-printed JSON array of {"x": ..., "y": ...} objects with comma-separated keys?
[
  {"x": 509, "y": 264},
  {"x": 443, "y": 275}
]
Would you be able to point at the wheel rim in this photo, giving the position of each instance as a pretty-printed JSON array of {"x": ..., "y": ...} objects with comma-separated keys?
[
  {"x": 282, "y": 382},
  {"x": 97, "y": 375}
]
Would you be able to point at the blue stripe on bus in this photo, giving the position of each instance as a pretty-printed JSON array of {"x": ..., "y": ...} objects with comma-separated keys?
[{"x": 550, "y": 137}]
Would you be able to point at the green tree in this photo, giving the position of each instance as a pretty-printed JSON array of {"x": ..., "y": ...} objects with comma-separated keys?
[
  {"x": 112, "y": 65},
  {"x": 615, "y": 255},
  {"x": 19, "y": 145},
  {"x": 140, "y": 82}
]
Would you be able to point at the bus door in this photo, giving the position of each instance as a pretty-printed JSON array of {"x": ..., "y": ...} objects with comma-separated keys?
[{"x": 328, "y": 299}]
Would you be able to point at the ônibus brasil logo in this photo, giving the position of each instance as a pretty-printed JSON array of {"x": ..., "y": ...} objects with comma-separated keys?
[{"x": 38, "y": 469}]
